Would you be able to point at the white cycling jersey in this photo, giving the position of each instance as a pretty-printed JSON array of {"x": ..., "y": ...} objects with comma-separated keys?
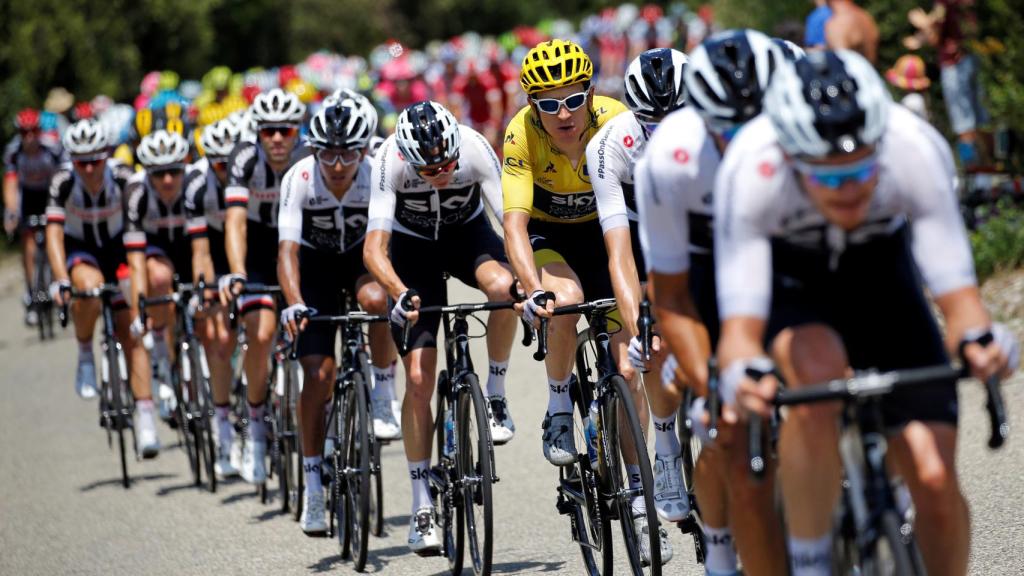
[
  {"x": 758, "y": 199},
  {"x": 311, "y": 215},
  {"x": 204, "y": 199},
  {"x": 611, "y": 157},
  {"x": 402, "y": 201},
  {"x": 674, "y": 184}
]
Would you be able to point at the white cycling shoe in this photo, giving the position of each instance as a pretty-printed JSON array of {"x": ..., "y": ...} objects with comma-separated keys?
[
  {"x": 85, "y": 378},
  {"x": 670, "y": 498},
  {"x": 503, "y": 429},
  {"x": 385, "y": 425},
  {"x": 424, "y": 537},
  {"x": 146, "y": 439},
  {"x": 254, "y": 467},
  {"x": 557, "y": 439},
  {"x": 314, "y": 514},
  {"x": 642, "y": 529}
]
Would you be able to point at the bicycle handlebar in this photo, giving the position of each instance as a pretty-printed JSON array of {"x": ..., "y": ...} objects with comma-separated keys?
[
  {"x": 98, "y": 292},
  {"x": 645, "y": 329},
  {"x": 350, "y": 318}
]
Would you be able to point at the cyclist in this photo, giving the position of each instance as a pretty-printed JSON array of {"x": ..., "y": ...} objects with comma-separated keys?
[
  {"x": 29, "y": 163},
  {"x": 250, "y": 239},
  {"x": 653, "y": 88},
  {"x": 552, "y": 229},
  {"x": 324, "y": 203},
  {"x": 430, "y": 180},
  {"x": 205, "y": 207},
  {"x": 725, "y": 81},
  {"x": 84, "y": 228},
  {"x": 835, "y": 209}
]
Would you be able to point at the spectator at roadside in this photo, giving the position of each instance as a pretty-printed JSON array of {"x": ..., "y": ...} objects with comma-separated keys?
[
  {"x": 948, "y": 27},
  {"x": 814, "y": 29},
  {"x": 852, "y": 28},
  {"x": 908, "y": 74}
]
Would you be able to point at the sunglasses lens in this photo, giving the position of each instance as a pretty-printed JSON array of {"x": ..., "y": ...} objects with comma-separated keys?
[
  {"x": 284, "y": 131},
  {"x": 549, "y": 105},
  {"x": 835, "y": 179},
  {"x": 575, "y": 101}
]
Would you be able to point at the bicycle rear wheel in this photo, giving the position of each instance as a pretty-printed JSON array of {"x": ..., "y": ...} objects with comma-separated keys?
[
  {"x": 357, "y": 485},
  {"x": 893, "y": 553},
  {"x": 623, "y": 434},
  {"x": 475, "y": 457}
]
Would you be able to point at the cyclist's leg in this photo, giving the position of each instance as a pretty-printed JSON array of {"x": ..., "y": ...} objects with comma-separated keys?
[
  {"x": 925, "y": 455},
  {"x": 383, "y": 355},
  {"x": 28, "y": 256},
  {"x": 260, "y": 329},
  {"x": 318, "y": 369},
  {"x": 219, "y": 342},
  {"x": 84, "y": 274}
]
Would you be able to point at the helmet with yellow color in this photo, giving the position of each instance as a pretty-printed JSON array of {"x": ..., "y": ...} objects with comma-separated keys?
[{"x": 554, "y": 64}]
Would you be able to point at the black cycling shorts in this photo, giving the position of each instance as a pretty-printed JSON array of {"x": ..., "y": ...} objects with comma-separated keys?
[
  {"x": 325, "y": 279},
  {"x": 874, "y": 300},
  {"x": 421, "y": 264},
  {"x": 705, "y": 294},
  {"x": 107, "y": 259},
  {"x": 218, "y": 253},
  {"x": 33, "y": 206},
  {"x": 581, "y": 246},
  {"x": 260, "y": 265},
  {"x": 179, "y": 254}
]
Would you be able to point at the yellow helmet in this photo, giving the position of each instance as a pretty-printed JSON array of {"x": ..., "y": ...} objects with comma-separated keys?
[{"x": 554, "y": 64}]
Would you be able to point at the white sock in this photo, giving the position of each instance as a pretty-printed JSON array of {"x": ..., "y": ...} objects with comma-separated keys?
[
  {"x": 810, "y": 557},
  {"x": 84, "y": 350},
  {"x": 558, "y": 396},
  {"x": 144, "y": 405},
  {"x": 420, "y": 484},
  {"x": 633, "y": 477},
  {"x": 257, "y": 428},
  {"x": 311, "y": 468},
  {"x": 666, "y": 442},
  {"x": 720, "y": 559},
  {"x": 496, "y": 378},
  {"x": 225, "y": 431},
  {"x": 383, "y": 382}
]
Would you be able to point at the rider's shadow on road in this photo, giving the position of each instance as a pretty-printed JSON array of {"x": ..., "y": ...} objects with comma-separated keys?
[
  {"x": 117, "y": 481},
  {"x": 376, "y": 560}
]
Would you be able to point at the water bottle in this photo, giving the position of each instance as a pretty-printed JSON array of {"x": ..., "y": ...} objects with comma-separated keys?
[
  {"x": 591, "y": 434},
  {"x": 449, "y": 434}
]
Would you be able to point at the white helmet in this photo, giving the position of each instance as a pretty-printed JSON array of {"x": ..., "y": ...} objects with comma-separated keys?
[
  {"x": 162, "y": 148},
  {"x": 341, "y": 124},
  {"x": 789, "y": 49},
  {"x": 368, "y": 111},
  {"x": 654, "y": 83},
  {"x": 85, "y": 137},
  {"x": 427, "y": 133},
  {"x": 245, "y": 125},
  {"x": 218, "y": 139},
  {"x": 728, "y": 74},
  {"x": 277, "y": 106},
  {"x": 827, "y": 103}
]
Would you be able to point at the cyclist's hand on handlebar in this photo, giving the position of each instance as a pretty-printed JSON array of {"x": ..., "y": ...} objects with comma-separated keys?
[
  {"x": 991, "y": 352},
  {"x": 58, "y": 289},
  {"x": 138, "y": 327},
  {"x": 11, "y": 220},
  {"x": 295, "y": 318},
  {"x": 406, "y": 309},
  {"x": 747, "y": 387},
  {"x": 538, "y": 306},
  {"x": 636, "y": 352},
  {"x": 229, "y": 286}
]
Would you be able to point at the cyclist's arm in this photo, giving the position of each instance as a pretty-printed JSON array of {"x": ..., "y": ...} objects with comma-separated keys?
[
  {"x": 139, "y": 280},
  {"x": 196, "y": 227},
  {"x": 135, "y": 241},
  {"x": 235, "y": 226},
  {"x": 375, "y": 257},
  {"x": 288, "y": 271},
  {"x": 60, "y": 189},
  {"x": 11, "y": 193},
  {"x": 625, "y": 279},
  {"x": 236, "y": 196},
  {"x": 517, "y": 188},
  {"x": 289, "y": 228},
  {"x": 520, "y": 253},
  {"x": 381, "y": 219},
  {"x": 202, "y": 262}
]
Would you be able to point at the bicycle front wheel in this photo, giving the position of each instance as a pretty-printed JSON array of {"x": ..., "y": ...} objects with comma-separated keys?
[
  {"x": 356, "y": 448},
  {"x": 119, "y": 404},
  {"x": 475, "y": 458},
  {"x": 206, "y": 416}
]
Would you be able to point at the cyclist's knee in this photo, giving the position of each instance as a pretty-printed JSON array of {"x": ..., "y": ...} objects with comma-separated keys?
[
  {"x": 809, "y": 354},
  {"x": 317, "y": 374},
  {"x": 419, "y": 383},
  {"x": 159, "y": 275},
  {"x": 494, "y": 281},
  {"x": 373, "y": 298}
]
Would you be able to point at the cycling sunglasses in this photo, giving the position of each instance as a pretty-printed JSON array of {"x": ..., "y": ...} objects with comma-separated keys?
[
  {"x": 331, "y": 157},
  {"x": 834, "y": 176},
  {"x": 285, "y": 130},
  {"x": 83, "y": 161},
  {"x": 432, "y": 171},
  {"x": 171, "y": 169},
  {"x": 572, "y": 102}
]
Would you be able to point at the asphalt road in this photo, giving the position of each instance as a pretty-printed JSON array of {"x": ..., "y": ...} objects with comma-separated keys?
[{"x": 63, "y": 511}]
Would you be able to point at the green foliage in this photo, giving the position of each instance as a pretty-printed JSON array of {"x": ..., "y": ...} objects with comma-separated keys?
[{"x": 999, "y": 243}]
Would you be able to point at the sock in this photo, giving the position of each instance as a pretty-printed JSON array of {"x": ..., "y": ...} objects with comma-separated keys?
[
  {"x": 720, "y": 559},
  {"x": 810, "y": 557},
  {"x": 496, "y": 378},
  {"x": 144, "y": 405},
  {"x": 633, "y": 477},
  {"x": 311, "y": 468},
  {"x": 420, "y": 484},
  {"x": 224, "y": 428},
  {"x": 85, "y": 350},
  {"x": 666, "y": 442},
  {"x": 383, "y": 382},
  {"x": 256, "y": 425},
  {"x": 558, "y": 397}
]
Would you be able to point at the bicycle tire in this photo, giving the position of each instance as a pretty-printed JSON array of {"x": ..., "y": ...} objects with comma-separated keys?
[
  {"x": 299, "y": 475},
  {"x": 358, "y": 485},
  {"x": 591, "y": 521},
  {"x": 892, "y": 553},
  {"x": 377, "y": 494},
  {"x": 336, "y": 429},
  {"x": 186, "y": 423},
  {"x": 119, "y": 406},
  {"x": 206, "y": 415},
  {"x": 620, "y": 402},
  {"x": 689, "y": 452},
  {"x": 197, "y": 416},
  {"x": 284, "y": 437},
  {"x": 475, "y": 457}
]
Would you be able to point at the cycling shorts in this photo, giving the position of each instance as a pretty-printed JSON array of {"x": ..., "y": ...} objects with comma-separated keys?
[
  {"x": 218, "y": 252},
  {"x": 179, "y": 254},
  {"x": 260, "y": 265},
  {"x": 421, "y": 264},
  {"x": 326, "y": 279},
  {"x": 875, "y": 301},
  {"x": 704, "y": 293},
  {"x": 581, "y": 247},
  {"x": 33, "y": 206},
  {"x": 107, "y": 259}
]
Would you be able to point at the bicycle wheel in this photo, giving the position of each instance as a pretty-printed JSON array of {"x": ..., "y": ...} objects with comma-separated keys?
[
  {"x": 579, "y": 489},
  {"x": 285, "y": 440},
  {"x": 357, "y": 491},
  {"x": 618, "y": 410},
  {"x": 893, "y": 553},
  {"x": 377, "y": 493},
  {"x": 296, "y": 472},
  {"x": 204, "y": 398},
  {"x": 475, "y": 457},
  {"x": 119, "y": 405},
  {"x": 184, "y": 393},
  {"x": 451, "y": 518}
]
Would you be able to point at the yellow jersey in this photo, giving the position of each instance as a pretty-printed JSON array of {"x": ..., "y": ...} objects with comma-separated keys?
[{"x": 540, "y": 180}]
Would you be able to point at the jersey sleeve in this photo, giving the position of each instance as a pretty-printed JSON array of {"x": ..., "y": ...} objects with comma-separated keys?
[
  {"x": 195, "y": 204},
  {"x": 517, "y": 169},
  {"x": 60, "y": 189},
  {"x": 487, "y": 168},
  {"x": 743, "y": 255},
  {"x": 293, "y": 195},
  {"x": 11, "y": 158},
  {"x": 939, "y": 239},
  {"x": 240, "y": 170},
  {"x": 135, "y": 213},
  {"x": 606, "y": 162},
  {"x": 382, "y": 187}
]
